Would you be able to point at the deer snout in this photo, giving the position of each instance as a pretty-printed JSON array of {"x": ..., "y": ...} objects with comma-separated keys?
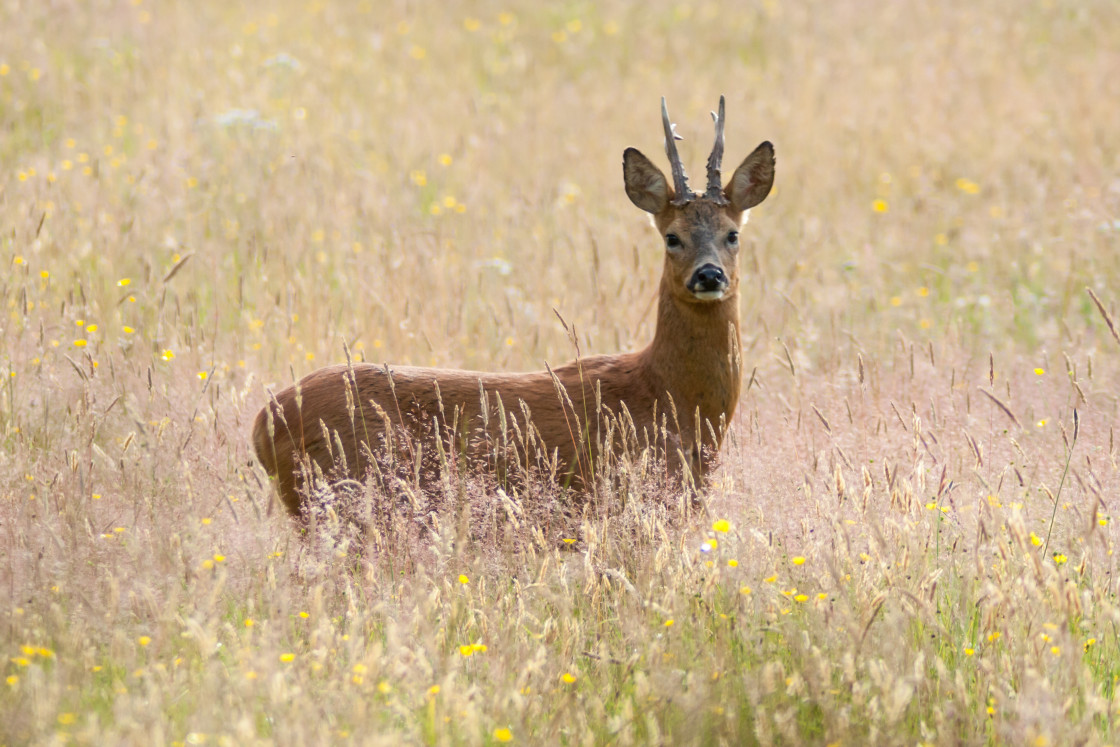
[{"x": 708, "y": 282}]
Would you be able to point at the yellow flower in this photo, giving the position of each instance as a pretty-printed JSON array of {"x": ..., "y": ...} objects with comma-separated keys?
[
  {"x": 669, "y": 623},
  {"x": 732, "y": 563},
  {"x": 80, "y": 343},
  {"x": 569, "y": 541},
  {"x": 967, "y": 186},
  {"x": 304, "y": 615},
  {"x": 1059, "y": 558},
  {"x": 994, "y": 636},
  {"x": 463, "y": 579},
  {"x": 249, "y": 622},
  {"x": 1055, "y": 650},
  {"x": 880, "y": 206},
  {"x": 466, "y": 650},
  {"x": 797, "y": 560},
  {"x": 144, "y": 640},
  {"x": 1035, "y": 540},
  {"x": 384, "y": 688},
  {"x": 744, "y": 590},
  {"x": 502, "y": 735},
  {"x": 568, "y": 677},
  {"x": 167, "y": 355},
  {"x": 433, "y": 690},
  {"x": 723, "y": 526},
  {"x": 801, "y": 598},
  {"x": 287, "y": 657},
  {"x": 771, "y": 579},
  {"x": 13, "y": 679},
  {"x": 202, "y": 375},
  {"x": 1039, "y": 371},
  {"x": 969, "y": 651}
]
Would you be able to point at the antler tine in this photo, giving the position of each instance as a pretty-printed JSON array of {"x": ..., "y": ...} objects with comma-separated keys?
[
  {"x": 715, "y": 189},
  {"x": 680, "y": 180}
]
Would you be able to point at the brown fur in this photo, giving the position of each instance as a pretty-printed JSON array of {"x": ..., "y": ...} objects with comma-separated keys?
[{"x": 690, "y": 368}]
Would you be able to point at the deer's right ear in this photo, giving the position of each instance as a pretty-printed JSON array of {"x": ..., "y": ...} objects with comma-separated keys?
[{"x": 645, "y": 184}]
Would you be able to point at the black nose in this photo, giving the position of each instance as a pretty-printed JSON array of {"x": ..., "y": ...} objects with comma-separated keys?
[{"x": 708, "y": 278}]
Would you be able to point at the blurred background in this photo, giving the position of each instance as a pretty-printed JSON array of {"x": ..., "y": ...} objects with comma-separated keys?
[{"x": 427, "y": 185}]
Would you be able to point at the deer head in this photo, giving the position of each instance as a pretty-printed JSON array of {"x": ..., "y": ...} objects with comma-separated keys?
[{"x": 701, "y": 232}]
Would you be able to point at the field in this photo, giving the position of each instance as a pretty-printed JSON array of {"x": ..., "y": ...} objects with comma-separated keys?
[{"x": 910, "y": 538}]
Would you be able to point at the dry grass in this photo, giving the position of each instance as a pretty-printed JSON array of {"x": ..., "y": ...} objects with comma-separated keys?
[{"x": 198, "y": 200}]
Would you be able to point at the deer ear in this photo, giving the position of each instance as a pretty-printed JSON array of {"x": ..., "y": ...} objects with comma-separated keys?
[
  {"x": 752, "y": 181},
  {"x": 645, "y": 184}
]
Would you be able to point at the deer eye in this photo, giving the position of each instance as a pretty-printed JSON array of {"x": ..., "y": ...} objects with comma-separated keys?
[
  {"x": 672, "y": 241},
  {"x": 733, "y": 238}
]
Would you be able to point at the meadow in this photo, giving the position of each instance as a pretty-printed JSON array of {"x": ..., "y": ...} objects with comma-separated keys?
[{"x": 909, "y": 540}]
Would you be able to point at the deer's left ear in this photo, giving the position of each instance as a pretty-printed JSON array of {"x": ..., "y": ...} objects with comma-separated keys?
[
  {"x": 645, "y": 184},
  {"x": 752, "y": 181}
]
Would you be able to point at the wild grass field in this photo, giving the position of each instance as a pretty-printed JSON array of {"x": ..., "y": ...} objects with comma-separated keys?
[{"x": 910, "y": 539}]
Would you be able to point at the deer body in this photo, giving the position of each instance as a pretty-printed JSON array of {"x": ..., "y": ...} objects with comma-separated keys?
[{"x": 679, "y": 391}]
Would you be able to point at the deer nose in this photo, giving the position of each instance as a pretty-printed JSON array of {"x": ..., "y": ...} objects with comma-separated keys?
[{"x": 707, "y": 279}]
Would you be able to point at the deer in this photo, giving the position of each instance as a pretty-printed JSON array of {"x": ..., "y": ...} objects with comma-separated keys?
[{"x": 681, "y": 390}]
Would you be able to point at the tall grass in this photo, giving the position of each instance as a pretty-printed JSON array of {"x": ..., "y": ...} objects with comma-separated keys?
[{"x": 910, "y": 538}]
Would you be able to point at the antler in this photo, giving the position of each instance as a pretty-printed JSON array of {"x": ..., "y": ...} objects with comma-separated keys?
[
  {"x": 715, "y": 189},
  {"x": 680, "y": 180}
]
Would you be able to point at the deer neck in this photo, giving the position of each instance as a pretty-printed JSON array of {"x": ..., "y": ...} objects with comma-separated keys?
[{"x": 695, "y": 358}]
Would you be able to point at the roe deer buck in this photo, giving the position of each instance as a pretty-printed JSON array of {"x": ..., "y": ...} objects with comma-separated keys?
[{"x": 681, "y": 389}]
